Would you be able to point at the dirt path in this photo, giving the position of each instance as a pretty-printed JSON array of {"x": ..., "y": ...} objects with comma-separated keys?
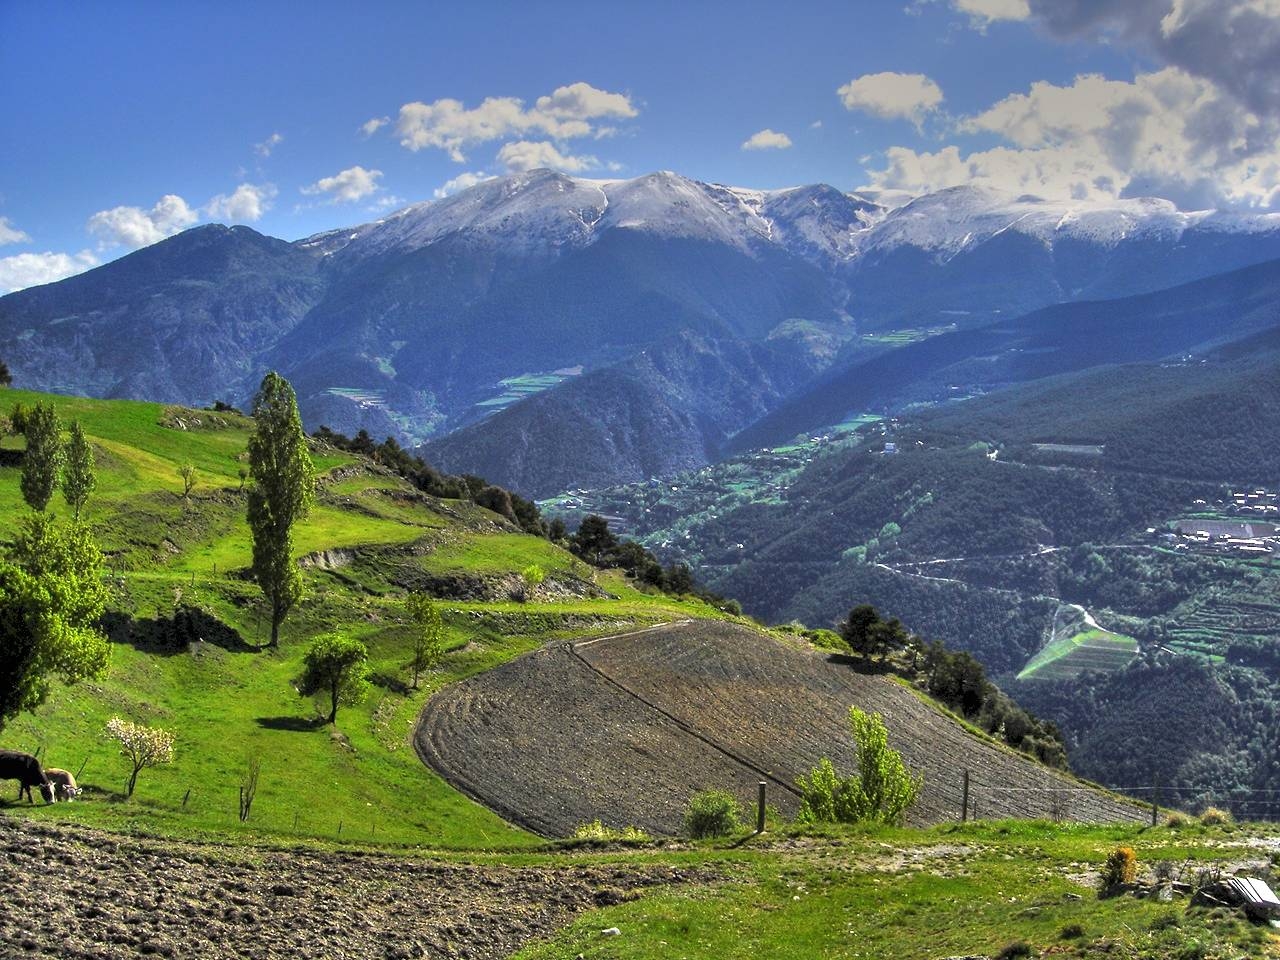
[
  {"x": 77, "y": 893},
  {"x": 627, "y": 728}
]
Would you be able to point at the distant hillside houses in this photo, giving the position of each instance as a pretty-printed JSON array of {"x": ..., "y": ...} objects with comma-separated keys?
[{"x": 1247, "y": 538}]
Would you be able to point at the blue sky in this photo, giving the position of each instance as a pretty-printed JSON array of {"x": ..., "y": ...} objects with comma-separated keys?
[{"x": 127, "y": 122}]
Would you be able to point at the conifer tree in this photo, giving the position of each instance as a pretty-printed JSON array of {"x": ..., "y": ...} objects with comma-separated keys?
[{"x": 281, "y": 492}]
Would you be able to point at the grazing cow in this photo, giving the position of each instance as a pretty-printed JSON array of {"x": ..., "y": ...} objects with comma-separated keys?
[
  {"x": 25, "y": 768},
  {"x": 63, "y": 783}
]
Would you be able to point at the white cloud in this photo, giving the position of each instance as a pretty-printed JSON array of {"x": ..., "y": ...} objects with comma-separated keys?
[
  {"x": 984, "y": 12},
  {"x": 528, "y": 155},
  {"x": 264, "y": 148},
  {"x": 581, "y": 101},
  {"x": 32, "y": 269},
  {"x": 134, "y": 227},
  {"x": 246, "y": 204},
  {"x": 767, "y": 140},
  {"x": 11, "y": 234},
  {"x": 567, "y": 113},
  {"x": 461, "y": 182},
  {"x": 347, "y": 186},
  {"x": 1167, "y": 134},
  {"x": 370, "y": 127},
  {"x": 909, "y": 96},
  {"x": 816, "y": 125}
]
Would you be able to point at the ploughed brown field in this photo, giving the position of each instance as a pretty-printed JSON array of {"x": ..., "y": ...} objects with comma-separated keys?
[{"x": 627, "y": 728}]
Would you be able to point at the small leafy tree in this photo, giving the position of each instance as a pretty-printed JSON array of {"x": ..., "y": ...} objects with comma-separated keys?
[
  {"x": 337, "y": 666},
  {"x": 711, "y": 813},
  {"x": 43, "y": 459},
  {"x": 6, "y": 378},
  {"x": 883, "y": 790},
  {"x": 142, "y": 746},
  {"x": 281, "y": 493},
  {"x": 188, "y": 474},
  {"x": 51, "y": 596},
  {"x": 428, "y": 637},
  {"x": 78, "y": 478}
]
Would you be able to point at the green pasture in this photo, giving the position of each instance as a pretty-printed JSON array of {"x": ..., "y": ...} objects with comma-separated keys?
[
  {"x": 1068, "y": 657},
  {"x": 226, "y": 699}
]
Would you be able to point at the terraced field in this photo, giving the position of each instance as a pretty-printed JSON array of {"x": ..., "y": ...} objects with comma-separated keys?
[
  {"x": 1068, "y": 657},
  {"x": 627, "y": 728}
]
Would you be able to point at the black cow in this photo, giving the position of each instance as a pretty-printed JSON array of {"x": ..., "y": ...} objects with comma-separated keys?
[{"x": 26, "y": 769}]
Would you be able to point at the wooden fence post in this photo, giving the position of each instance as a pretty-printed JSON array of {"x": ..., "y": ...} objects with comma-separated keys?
[
  {"x": 760, "y": 809},
  {"x": 964, "y": 799}
]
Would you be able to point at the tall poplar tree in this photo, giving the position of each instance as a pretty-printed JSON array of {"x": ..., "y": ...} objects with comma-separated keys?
[
  {"x": 43, "y": 458},
  {"x": 78, "y": 479},
  {"x": 281, "y": 492}
]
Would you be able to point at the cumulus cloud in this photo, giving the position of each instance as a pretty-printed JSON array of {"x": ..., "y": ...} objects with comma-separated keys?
[
  {"x": 529, "y": 155},
  {"x": 134, "y": 227},
  {"x": 264, "y": 148},
  {"x": 461, "y": 182},
  {"x": 32, "y": 269},
  {"x": 581, "y": 101},
  {"x": 1233, "y": 43},
  {"x": 909, "y": 96},
  {"x": 346, "y": 186},
  {"x": 1165, "y": 133},
  {"x": 370, "y": 127},
  {"x": 246, "y": 204},
  {"x": 767, "y": 140},
  {"x": 11, "y": 234},
  {"x": 568, "y": 113}
]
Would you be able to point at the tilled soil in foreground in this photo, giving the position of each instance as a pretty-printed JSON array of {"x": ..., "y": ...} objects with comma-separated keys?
[{"x": 72, "y": 892}]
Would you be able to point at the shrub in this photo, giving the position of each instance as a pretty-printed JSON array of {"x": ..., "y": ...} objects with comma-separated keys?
[
  {"x": 1019, "y": 948},
  {"x": 1072, "y": 931},
  {"x": 1176, "y": 819},
  {"x": 711, "y": 813},
  {"x": 882, "y": 791},
  {"x": 1121, "y": 867},
  {"x": 597, "y": 832},
  {"x": 1214, "y": 817}
]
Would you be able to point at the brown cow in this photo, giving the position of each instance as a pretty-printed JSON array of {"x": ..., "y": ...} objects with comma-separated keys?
[{"x": 15, "y": 765}]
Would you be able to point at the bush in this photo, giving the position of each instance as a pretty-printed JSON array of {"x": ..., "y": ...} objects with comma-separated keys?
[
  {"x": 711, "y": 813},
  {"x": 1176, "y": 819},
  {"x": 1019, "y": 948},
  {"x": 1072, "y": 931},
  {"x": 881, "y": 792},
  {"x": 1121, "y": 867},
  {"x": 1214, "y": 817},
  {"x": 597, "y": 832}
]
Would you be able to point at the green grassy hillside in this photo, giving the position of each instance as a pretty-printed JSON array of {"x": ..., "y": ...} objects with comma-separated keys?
[{"x": 186, "y": 623}]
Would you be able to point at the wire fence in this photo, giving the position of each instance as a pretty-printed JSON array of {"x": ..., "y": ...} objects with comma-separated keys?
[{"x": 990, "y": 801}]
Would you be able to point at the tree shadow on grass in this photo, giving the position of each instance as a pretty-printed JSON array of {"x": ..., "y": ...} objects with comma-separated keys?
[
  {"x": 295, "y": 724},
  {"x": 176, "y": 634},
  {"x": 389, "y": 682},
  {"x": 10, "y": 458},
  {"x": 860, "y": 664}
]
